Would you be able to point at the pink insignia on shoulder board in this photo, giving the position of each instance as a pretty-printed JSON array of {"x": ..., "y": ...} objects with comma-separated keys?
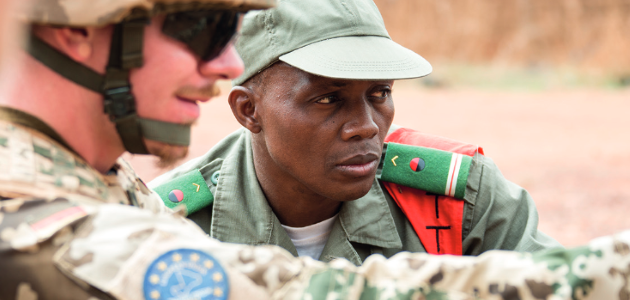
[{"x": 176, "y": 196}]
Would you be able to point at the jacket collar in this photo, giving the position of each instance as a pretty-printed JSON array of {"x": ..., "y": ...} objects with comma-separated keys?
[
  {"x": 241, "y": 213},
  {"x": 27, "y": 120}
]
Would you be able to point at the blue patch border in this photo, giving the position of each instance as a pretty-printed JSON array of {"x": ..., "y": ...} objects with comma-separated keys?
[{"x": 157, "y": 287}]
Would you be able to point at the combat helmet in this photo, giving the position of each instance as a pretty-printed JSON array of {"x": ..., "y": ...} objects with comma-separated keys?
[{"x": 205, "y": 26}]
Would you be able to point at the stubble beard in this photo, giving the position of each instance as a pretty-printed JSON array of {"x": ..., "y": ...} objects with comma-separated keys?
[{"x": 167, "y": 154}]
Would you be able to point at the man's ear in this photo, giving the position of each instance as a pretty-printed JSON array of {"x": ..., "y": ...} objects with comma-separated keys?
[
  {"x": 77, "y": 43},
  {"x": 243, "y": 103}
]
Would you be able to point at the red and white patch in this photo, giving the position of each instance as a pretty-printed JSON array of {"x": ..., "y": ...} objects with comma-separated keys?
[{"x": 453, "y": 173}]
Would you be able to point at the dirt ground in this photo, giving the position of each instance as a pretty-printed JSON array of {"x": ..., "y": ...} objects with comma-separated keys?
[{"x": 569, "y": 149}]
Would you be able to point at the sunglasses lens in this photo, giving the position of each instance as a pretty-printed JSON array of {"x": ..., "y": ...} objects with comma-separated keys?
[{"x": 206, "y": 33}]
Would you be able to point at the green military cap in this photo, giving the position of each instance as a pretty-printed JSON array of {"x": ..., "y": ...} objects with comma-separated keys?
[{"x": 337, "y": 39}]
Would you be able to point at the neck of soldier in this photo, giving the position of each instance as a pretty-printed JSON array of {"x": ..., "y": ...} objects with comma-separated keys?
[
  {"x": 72, "y": 111},
  {"x": 293, "y": 203}
]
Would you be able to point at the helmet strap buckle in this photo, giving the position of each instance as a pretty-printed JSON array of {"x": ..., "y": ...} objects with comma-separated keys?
[{"x": 119, "y": 101}]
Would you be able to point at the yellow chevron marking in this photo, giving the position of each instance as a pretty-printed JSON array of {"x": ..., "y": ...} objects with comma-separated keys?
[
  {"x": 393, "y": 160},
  {"x": 196, "y": 186}
]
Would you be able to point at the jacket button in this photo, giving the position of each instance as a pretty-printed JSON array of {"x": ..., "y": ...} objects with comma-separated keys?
[{"x": 215, "y": 177}]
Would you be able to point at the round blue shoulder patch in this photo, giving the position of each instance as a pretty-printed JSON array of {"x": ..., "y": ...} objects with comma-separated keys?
[{"x": 186, "y": 274}]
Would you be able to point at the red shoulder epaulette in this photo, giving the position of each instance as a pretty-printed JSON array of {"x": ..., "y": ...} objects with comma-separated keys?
[{"x": 437, "y": 219}]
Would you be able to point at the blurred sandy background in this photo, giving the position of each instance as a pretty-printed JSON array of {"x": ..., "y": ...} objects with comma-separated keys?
[{"x": 539, "y": 84}]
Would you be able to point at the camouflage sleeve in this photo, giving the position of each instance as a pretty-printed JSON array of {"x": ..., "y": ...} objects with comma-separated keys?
[
  {"x": 130, "y": 253},
  {"x": 31, "y": 231},
  {"x": 122, "y": 252},
  {"x": 143, "y": 252},
  {"x": 599, "y": 270}
]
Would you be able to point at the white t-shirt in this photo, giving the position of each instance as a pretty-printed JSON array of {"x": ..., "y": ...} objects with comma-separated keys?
[{"x": 310, "y": 240}]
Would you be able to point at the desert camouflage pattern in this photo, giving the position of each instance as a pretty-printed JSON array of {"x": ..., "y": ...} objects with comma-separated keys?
[
  {"x": 84, "y": 13},
  {"x": 124, "y": 241},
  {"x": 599, "y": 270},
  {"x": 44, "y": 187},
  {"x": 34, "y": 165}
]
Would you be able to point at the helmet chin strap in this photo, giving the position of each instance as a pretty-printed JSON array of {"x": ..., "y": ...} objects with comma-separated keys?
[{"x": 119, "y": 102}]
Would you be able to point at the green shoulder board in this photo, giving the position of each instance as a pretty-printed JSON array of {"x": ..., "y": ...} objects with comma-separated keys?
[
  {"x": 189, "y": 190},
  {"x": 432, "y": 170}
]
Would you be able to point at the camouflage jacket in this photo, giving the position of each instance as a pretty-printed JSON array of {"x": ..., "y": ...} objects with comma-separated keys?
[
  {"x": 123, "y": 252},
  {"x": 41, "y": 183},
  {"x": 36, "y": 162}
]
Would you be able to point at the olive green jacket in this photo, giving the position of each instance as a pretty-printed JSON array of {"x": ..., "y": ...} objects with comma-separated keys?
[{"x": 498, "y": 214}]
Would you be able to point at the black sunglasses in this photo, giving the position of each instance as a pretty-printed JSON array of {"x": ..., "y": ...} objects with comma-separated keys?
[{"x": 206, "y": 33}]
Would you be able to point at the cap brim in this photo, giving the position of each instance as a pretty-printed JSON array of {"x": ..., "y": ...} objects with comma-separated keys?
[{"x": 359, "y": 57}]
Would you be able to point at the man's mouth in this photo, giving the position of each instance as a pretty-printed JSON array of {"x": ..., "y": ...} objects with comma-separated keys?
[
  {"x": 359, "y": 165},
  {"x": 190, "y": 97},
  {"x": 189, "y": 108},
  {"x": 196, "y": 102},
  {"x": 203, "y": 94},
  {"x": 193, "y": 98}
]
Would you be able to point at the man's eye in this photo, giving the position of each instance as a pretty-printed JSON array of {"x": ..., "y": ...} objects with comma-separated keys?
[
  {"x": 381, "y": 93},
  {"x": 327, "y": 100}
]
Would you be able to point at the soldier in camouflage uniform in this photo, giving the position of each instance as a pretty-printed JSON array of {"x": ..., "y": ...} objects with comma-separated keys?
[{"x": 144, "y": 63}]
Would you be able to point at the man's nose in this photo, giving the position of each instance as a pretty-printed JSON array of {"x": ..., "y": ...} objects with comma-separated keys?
[
  {"x": 228, "y": 65},
  {"x": 361, "y": 123}
]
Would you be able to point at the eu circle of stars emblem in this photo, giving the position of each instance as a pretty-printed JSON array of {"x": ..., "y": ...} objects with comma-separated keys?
[{"x": 186, "y": 274}]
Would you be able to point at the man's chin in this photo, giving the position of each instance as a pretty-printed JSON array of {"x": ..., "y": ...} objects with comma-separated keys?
[
  {"x": 168, "y": 154},
  {"x": 347, "y": 193}
]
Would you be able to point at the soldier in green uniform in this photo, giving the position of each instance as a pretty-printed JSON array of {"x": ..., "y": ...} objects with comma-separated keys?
[{"x": 315, "y": 103}]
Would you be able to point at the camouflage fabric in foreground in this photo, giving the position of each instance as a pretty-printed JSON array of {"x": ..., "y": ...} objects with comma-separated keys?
[
  {"x": 114, "y": 245},
  {"x": 35, "y": 165},
  {"x": 599, "y": 270}
]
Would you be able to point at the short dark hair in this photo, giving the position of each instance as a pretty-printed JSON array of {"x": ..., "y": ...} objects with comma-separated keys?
[{"x": 258, "y": 82}]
